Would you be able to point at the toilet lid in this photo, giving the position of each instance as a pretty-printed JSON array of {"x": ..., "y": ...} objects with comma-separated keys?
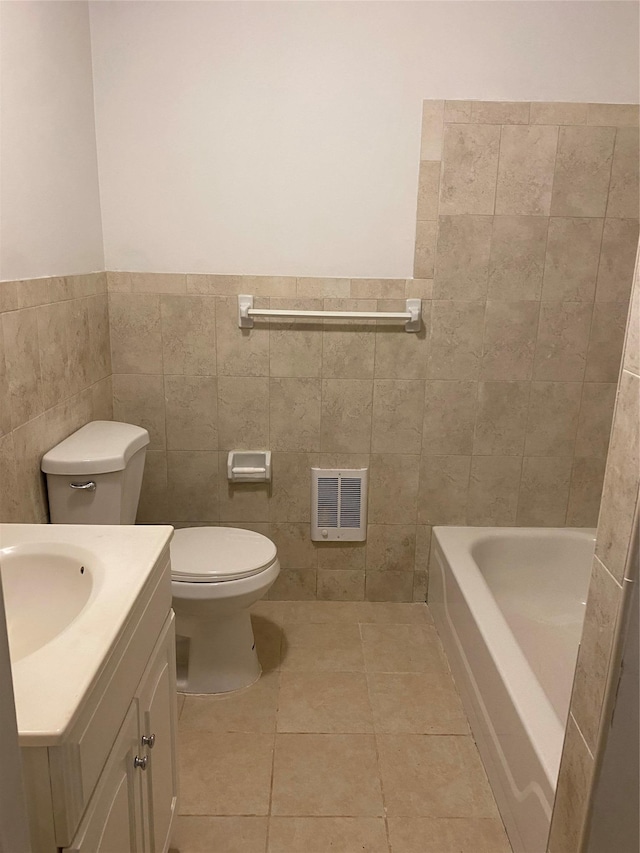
[{"x": 210, "y": 554}]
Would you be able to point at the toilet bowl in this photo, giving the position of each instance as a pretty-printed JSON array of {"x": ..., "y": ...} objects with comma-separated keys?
[
  {"x": 94, "y": 477},
  {"x": 217, "y": 573}
]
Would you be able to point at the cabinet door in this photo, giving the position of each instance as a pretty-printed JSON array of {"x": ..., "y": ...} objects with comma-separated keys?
[
  {"x": 113, "y": 821},
  {"x": 157, "y": 708}
]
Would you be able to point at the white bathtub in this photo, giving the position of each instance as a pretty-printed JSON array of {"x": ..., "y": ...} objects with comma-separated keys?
[{"x": 509, "y": 604}]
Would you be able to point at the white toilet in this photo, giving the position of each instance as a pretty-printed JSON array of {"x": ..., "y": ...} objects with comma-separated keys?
[{"x": 94, "y": 477}]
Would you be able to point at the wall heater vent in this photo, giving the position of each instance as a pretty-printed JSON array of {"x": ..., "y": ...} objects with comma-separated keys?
[{"x": 339, "y": 504}]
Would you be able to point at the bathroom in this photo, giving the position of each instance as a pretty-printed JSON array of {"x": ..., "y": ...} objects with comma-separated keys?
[{"x": 161, "y": 158}]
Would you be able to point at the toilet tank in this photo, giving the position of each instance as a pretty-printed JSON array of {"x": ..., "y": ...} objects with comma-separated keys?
[{"x": 94, "y": 476}]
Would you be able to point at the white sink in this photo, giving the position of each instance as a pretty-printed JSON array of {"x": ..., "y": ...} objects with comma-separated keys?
[
  {"x": 46, "y": 585},
  {"x": 69, "y": 591}
]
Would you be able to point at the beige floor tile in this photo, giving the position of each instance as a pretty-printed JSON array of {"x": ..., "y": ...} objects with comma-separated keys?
[
  {"x": 252, "y": 709},
  {"x": 447, "y": 835},
  {"x": 351, "y": 612},
  {"x": 268, "y": 636},
  {"x": 322, "y": 834},
  {"x": 225, "y": 774},
  {"x": 416, "y": 703},
  {"x": 332, "y": 702},
  {"x": 326, "y": 775},
  {"x": 433, "y": 776},
  {"x": 272, "y": 611},
  {"x": 223, "y": 834},
  {"x": 402, "y": 648},
  {"x": 321, "y": 647}
]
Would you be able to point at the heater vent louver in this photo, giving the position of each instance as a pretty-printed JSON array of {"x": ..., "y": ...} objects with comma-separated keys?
[{"x": 339, "y": 504}]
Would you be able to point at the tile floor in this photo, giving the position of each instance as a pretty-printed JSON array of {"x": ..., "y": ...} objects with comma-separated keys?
[{"x": 352, "y": 740}]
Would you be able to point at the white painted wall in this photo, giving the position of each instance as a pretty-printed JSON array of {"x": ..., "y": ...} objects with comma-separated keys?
[
  {"x": 283, "y": 137},
  {"x": 49, "y": 204}
]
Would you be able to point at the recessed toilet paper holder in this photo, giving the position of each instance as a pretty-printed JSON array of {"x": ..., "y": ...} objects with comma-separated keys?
[{"x": 249, "y": 466}]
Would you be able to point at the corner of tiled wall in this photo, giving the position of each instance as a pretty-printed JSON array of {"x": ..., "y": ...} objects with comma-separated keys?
[
  {"x": 595, "y": 679},
  {"x": 55, "y": 375}
]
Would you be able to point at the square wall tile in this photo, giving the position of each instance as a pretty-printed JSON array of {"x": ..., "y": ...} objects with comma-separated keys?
[
  {"x": 294, "y": 585},
  {"x": 606, "y": 341},
  {"x": 573, "y": 254},
  {"x": 425, "y": 249},
  {"x": 389, "y": 586},
  {"x": 294, "y": 414},
  {"x": 517, "y": 257},
  {"x": 493, "y": 490},
  {"x": 348, "y": 352},
  {"x": 617, "y": 260},
  {"x": 191, "y": 412},
  {"x": 563, "y": 340},
  {"x": 500, "y": 112},
  {"x": 456, "y": 340},
  {"x": 587, "y": 477},
  {"x": 525, "y": 170},
  {"x": 346, "y": 415},
  {"x": 291, "y": 487},
  {"x": 136, "y": 338},
  {"x": 501, "y": 418},
  {"x": 139, "y": 399},
  {"x": 582, "y": 172},
  {"x": 462, "y": 257},
  {"x": 596, "y": 414},
  {"x": 240, "y": 352},
  {"x": 393, "y": 488},
  {"x": 340, "y": 585},
  {"x": 544, "y": 491},
  {"x": 428, "y": 189},
  {"x": 400, "y": 354},
  {"x": 444, "y": 487},
  {"x": 510, "y": 330},
  {"x": 449, "y": 416},
  {"x": 192, "y": 485},
  {"x": 397, "y": 416},
  {"x": 22, "y": 357},
  {"x": 391, "y": 547},
  {"x": 188, "y": 334},
  {"x": 469, "y": 173},
  {"x": 295, "y": 348},
  {"x": 553, "y": 418},
  {"x": 243, "y": 412},
  {"x": 624, "y": 199}
]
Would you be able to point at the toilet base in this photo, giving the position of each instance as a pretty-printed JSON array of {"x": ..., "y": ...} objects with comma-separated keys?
[{"x": 222, "y": 653}]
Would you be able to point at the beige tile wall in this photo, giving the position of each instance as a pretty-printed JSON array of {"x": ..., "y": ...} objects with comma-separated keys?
[
  {"x": 498, "y": 412},
  {"x": 528, "y": 225},
  {"x": 55, "y": 376},
  {"x": 596, "y": 673}
]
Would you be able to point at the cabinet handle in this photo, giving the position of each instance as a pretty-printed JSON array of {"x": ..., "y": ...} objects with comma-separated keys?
[
  {"x": 148, "y": 740},
  {"x": 141, "y": 762}
]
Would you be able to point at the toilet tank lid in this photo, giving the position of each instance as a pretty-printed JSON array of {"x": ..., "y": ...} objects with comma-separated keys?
[{"x": 96, "y": 448}]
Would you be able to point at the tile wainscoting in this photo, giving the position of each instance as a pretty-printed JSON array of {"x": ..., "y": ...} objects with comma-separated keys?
[{"x": 55, "y": 376}]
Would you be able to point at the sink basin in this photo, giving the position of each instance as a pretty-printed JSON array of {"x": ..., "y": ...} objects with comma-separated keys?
[
  {"x": 69, "y": 592},
  {"x": 46, "y": 586}
]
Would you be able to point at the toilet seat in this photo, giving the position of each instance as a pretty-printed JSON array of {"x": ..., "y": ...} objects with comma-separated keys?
[{"x": 219, "y": 554}]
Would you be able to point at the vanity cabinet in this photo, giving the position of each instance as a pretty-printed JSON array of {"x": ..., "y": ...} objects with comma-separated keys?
[{"x": 110, "y": 785}]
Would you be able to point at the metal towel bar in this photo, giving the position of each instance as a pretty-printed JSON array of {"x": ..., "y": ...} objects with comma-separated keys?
[{"x": 410, "y": 317}]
